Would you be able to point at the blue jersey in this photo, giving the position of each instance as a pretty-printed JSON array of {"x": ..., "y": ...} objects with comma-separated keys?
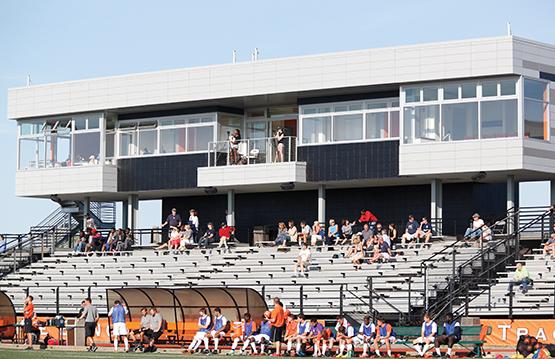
[
  {"x": 248, "y": 329},
  {"x": 219, "y": 322},
  {"x": 265, "y": 328},
  {"x": 449, "y": 329},
  {"x": 204, "y": 321},
  {"x": 302, "y": 328},
  {"x": 118, "y": 314},
  {"x": 367, "y": 330},
  {"x": 429, "y": 328},
  {"x": 383, "y": 330}
]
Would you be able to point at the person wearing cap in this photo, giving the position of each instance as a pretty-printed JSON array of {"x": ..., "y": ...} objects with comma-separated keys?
[
  {"x": 475, "y": 229},
  {"x": 173, "y": 220}
]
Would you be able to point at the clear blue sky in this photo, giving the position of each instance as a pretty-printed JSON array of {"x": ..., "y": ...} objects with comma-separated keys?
[{"x": 68, "y": 40}]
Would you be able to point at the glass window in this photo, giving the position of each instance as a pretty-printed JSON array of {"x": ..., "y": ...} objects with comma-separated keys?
[
  {"x": 426, "y": 123},
  {"x": 86, "y": 148},
  {"x": 29, "y": 128},
  {"x": 227, "y": 124},
  {"x": 347, "y": 127},
  {"x": 127, "y": 144},
  {"x": 429, "y": 93},
  {"x": 535, "y": 89},
  {"x": 394, "y": 123},
  {"x": 536, "y": 120},
  {"x": 376, "y": 125},
  {"x": 498, "y": 119},
  {"x": 450, "y": 92},
  {"x": 110, "y": 144},
  {"x": 340, "y": 108},
  {"x": 172, "y": 140},
  {"x": 355, "y": 106},
  {"x": 508, "y": 87},
  {"x": 374, "y": 105},
  {"x": 147, "y": 142},
  {"x": 489, "y": 88},
  {"x": 316, "y": 129},
  {"x": 412, "y": 95},
  {"x": 395, "y": 104},
  {"x": 94, "y": 122},
  {"x": 62, "y": 139},
  {"x": 199, "y": 137},
  {"x": 316, "y": 109},
  {"x": 408, "y": 118},
  {"x": 460, "y": 121},
  {"x": 30, "y": 153},
  {"x": 80, "y": 123},
  {"x": 468, "y": 90}
]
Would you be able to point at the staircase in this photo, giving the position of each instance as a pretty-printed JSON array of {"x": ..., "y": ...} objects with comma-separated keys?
[{"x": 55, "y": 230}]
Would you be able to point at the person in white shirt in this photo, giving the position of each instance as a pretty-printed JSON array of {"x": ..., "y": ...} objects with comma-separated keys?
[
  {"x": 365, "y": 336},
  {"x": 193, "y": 220},
  {"x": 201, "y": 336},
  {"x": 427, "y": 336},
  {"x": 219, "y": 328},
  {"x": 303, "y": 330},
  {"x": 303, "y": 260},
  {"x": 305, "y": 232},
  {"x": 475, "y": 230},
  {"x": 341, "y": 322}
]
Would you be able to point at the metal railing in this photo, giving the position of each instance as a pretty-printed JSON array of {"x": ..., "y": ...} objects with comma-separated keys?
[{"x": 252, "y": 151}]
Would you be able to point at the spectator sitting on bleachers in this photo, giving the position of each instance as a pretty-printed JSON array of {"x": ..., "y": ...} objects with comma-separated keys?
[
  {"x": 208, "y": 237},
  {"x": 366, "y": 233},
  {"x": 392, "y": 232},
  {"x": 220, "y": 328},
  {"x": 246, "y": 330},
  {"x": 225, "y": 234},
  {"x": 156, "y": 329},
  {"x": 292, "y": 232},
  {"x": 475, "y": 230},
  {"x": 81, "y": 243},
  {"x": 317, "y": 233},
  {"x": 303, "y": 260},
  {"x": 333, "y": 232},
  {"x": 356, "y": 252},
  {"x": 424, "y": 231},
  {"x": 383, "y": 252},
  {"x": 521, "y": 277},
  {"x": 411, "y": 229},
  {"x": 95, "y": 240},
  {"x": 346, "y": 232},
  {"x": 384, "y": 335},
  {"x": 282, "y": 235},
  {"x": 304, "y": 235},
  {"x": 187, "y": 237},
  {"x": 427, "y": 336},
  {"x": 290, "y": 337},
  {"x": 451, "y": 335},
  {"x": 386, "y": 238},
  {"x": 201, "y": 336},
  {"x": 108, "y": 243},
  {"x": 173, "y": 243},
  {"x": 549, "y": 246},
  {"x": 366, "y": 334}
]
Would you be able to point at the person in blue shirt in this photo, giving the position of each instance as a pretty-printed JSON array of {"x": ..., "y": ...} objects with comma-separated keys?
[
  {"x": 201, "y": 336},
  {"x": 263, "y": 336},
  {"x": 451, "y": 335},
  {"x": 385, "y": 335},
  {"x": 366, "y": 334},
  {"x": 411, "y": 230},
  {"x": 427, "y": 335},
  {"x": 219, "y": 329},
  {"x": 424, "y": 231},
  {"x": 117, "y": 313},
  {"x": 333, "y": 233}
]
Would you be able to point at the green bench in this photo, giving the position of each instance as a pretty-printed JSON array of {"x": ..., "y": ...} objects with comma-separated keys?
[{"x": 472, "y": 337}]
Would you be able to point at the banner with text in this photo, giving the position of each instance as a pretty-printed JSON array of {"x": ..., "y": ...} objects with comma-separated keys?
[{"x": 506, "y": 332}]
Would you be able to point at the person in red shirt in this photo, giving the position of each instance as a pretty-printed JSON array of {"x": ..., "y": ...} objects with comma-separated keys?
[
  {"x": 225, "y": 233},
  {"x": 28, "y": 314},
  {"x": 367, "y": 217},
  {"x": 277, "y": 322}
]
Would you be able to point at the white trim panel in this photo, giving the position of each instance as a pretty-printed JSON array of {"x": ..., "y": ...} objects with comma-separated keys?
[{"x": 242, "y": 175}]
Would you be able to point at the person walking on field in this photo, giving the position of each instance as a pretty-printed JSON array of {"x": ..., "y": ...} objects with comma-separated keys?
[
  {"x": 117, "y": 313},
  {"x": 90, "y": 314}
]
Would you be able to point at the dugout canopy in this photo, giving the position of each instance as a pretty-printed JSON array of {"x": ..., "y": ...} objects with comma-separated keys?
[{"x": 7, "y": 317}]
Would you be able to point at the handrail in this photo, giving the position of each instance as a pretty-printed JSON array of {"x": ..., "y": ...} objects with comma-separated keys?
[{"x": 252, "y": 151}]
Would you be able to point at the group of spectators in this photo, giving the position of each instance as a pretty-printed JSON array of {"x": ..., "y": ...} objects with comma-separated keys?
[{"x": 91, "y": 240}]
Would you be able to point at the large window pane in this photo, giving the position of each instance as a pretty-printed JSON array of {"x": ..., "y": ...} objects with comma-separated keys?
[
  {"x": 347, "y": 127},
  {"x": 498, "y": 118},
  {"x": 127, "y": 144},
  {"x": 227, "y": 124},
  {"x": 536, "y": 120},
  {"x": 394, "y": 123},
  {"x": 429, "y": 93},
  {"x": 172, "y": 140},
  {"x": 426, "y": 123},
  {"x": 86, "y": 148},
  {"x": 460, "y": 121},
  {"x": 110, "y": 144},
  {"x": 147, "y": 142},
  {"x": 29, "y": 128},
  {"x": 408, "y": 119},
  {"x": 316, "y": 129},
  {"x": 30, "y": 153},
  {"x": 199, "y": 137},
  {"x": 450, "y": 92},
  {"x": 376, "y": 125},
  {"x": 535, "y": 89}
]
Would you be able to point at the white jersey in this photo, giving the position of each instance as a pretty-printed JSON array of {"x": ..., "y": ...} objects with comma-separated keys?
[{"x": 367, "y": 330}]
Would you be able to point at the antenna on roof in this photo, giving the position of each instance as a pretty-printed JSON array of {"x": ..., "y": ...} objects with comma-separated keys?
[
  {"x": 256, "y": 52},
  {"x": 29, "y": 80},
  {"x": 234, "y": 56},
  {"x": 509, "y": 30}
]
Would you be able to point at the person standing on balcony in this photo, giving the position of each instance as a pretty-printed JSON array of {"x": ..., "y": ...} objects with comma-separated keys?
[
  {"x": 280, "y": 145},
  {"x": 234, "y": 140},
  {"x": 173, "y": 220},
  {"x": 28, "y": 314}
]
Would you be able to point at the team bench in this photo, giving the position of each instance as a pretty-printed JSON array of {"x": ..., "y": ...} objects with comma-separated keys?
[{"x": 473, "y": 337}]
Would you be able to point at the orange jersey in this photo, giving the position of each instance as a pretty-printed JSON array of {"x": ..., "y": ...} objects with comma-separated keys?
[
  {"x": 278, "y": 316},
  {"x": 291, "y": 328},
  {"x": 29, "y": 311}
]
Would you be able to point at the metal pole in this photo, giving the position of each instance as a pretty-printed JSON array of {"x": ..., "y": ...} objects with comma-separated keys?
[
  {"x": 264, "y": 292},
  {"x": 57, "y": 300},
  {"x": 370, "y": 290},
  {"x": 425, "y": 287},
  {"x": 466, "y": 306},
  {"x": 489, "y": 293},
  {"x": 341, "y": 299},
  {"x": 511, "y": 304},
  {"x": 301, "y": 298},
  {"x": 554, "y": 302},
  {"x": 88, "y": 292},
  {"x": 409, "y": 299}
]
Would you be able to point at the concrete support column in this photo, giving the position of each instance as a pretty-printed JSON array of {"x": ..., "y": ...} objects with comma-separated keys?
[
  {"x": 124, "y": 213},
  {"x": 436, "y": 206},
  {"x": 86, "y": 210},
  {"x": 230, "y": 218},
  {"x": 132, "y": 211},
  {"x": 511, "y": 201},
  {"x": 322, "y": 204}
]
